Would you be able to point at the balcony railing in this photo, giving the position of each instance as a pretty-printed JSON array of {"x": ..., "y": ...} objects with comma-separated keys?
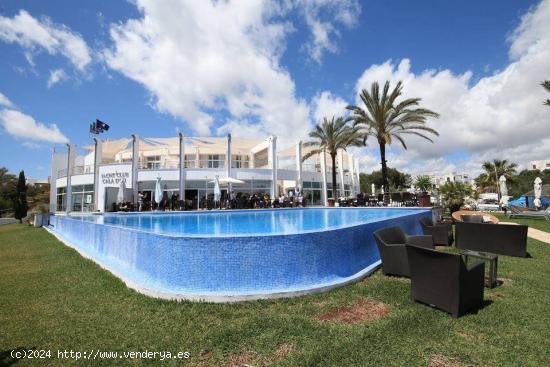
[{"x": 79, "y": 170}]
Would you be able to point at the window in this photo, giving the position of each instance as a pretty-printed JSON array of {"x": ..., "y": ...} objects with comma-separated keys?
[
  {"x": 83, "y": 198},
  {"x": 190, "y": 161},
  {"x": 61, "y": 199},
  {"x": 212, "y": 160},
  {"x": 312, "y": 192},
  {"x": 239, "y": 161},
  {"x": 153, "y": 162}
]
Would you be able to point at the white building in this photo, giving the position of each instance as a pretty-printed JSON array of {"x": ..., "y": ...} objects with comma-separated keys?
[
  {"x": 438, "y": 180},
  {"x": 539, "y": 165},
  {"x": 90, "y": 182}
]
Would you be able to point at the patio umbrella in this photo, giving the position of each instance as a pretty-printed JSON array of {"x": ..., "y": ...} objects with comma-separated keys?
[
  {"x": 503, "y": 191},
  {"x": 121, "y": 197},
  {"x": 373, "y": 189},
  {"x": 538, "y": 192},
  {"x": 217, "y": 192},
  {"x": 158, "y": 191}
]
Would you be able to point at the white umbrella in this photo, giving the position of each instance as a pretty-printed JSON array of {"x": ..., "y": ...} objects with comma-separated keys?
[
  {"x": 217, "y": 192},
  {"x": 227, "y": 180},
  {"x": 121, "y": 196},
  {"x": 373, "y": 189},
  {"x": 158, "y": 191},
  {"x": 538, "y": 192},
  {"x": 503, "y": 191}
]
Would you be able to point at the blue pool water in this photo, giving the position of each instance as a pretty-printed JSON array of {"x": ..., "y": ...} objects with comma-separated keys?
[
  {"x": 235, "y": 255},
  {"x": 248, "y": 222}
]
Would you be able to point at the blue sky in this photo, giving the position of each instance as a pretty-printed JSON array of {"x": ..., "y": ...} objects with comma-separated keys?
[{"x": 283, "y": 75}]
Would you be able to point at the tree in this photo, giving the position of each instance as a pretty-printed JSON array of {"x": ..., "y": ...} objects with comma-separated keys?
[
  {"x": 331, "y": 136},
  {"x": 7, "y": 190},
  {"x": 396, "y": 179},
  {"x": 20, "y": 203},
  {"x": 385, "y": 119},
  {"x": 453, "y": 194},
  {"x": 424, "y": 183},
  {"x": 493, "y": 171},
  {"x": 546, "y": 85}
]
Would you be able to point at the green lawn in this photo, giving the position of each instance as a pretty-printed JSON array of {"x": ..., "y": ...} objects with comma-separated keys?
[
  {"x": 52, "y": 298},
  {"x": 542, "y": 224}
]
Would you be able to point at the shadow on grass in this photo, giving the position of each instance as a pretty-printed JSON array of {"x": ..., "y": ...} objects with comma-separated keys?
[
  {"x": 485, "y": 303},
  {"x": 12, "y": 356}
]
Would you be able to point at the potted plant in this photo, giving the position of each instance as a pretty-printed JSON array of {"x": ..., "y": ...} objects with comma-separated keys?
[
  {"x": 453, "y": 195},
  {"x": 424, "y": 183}
]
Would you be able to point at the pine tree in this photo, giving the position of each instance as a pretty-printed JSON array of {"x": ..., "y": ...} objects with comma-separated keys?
[{"x": 20, "y": 206}]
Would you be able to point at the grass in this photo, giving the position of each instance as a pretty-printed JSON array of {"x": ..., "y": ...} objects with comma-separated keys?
[
  {"x": 52, "y": 298},
  {"x": 542, "y": 224}
]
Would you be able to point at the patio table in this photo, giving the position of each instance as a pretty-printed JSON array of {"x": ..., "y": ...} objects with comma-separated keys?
[{"x": 492, "y": 259}]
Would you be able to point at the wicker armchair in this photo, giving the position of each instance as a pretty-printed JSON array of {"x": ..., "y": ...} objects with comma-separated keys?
[
  {"x": 391, "y": 243},
  {"x": 445, "y": 281},
  {"x": 442, "y": 233},
  {"x": 501, "y": 239}
]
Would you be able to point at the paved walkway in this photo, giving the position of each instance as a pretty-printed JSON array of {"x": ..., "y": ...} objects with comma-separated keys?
[{"x": 537, "y": 234}]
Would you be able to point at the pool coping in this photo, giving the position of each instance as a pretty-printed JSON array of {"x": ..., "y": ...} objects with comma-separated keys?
[
  {"x": 213, "y": 297},
  {"x": 207, "y": 236}
]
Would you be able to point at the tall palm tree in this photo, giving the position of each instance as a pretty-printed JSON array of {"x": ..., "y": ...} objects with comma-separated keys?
[
  {"x": 331, "y": 136},
  {"x": 493, "y": 171},
  {"x": 385, "y": 119},
  {"x": 546, "y": 85}
]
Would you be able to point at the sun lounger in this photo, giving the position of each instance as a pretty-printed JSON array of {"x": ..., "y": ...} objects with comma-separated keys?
[{"x": 519, "y": 212}]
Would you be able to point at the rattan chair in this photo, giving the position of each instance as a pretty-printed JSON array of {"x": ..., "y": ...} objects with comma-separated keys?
[
  {"x": 444, "y": 280},
  {"x": 442, "y": 232},
  {"x": 391, "y": 244}
]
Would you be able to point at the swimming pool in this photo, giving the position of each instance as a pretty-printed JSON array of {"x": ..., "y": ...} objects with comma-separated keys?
[{"x": 225, "y": 256}]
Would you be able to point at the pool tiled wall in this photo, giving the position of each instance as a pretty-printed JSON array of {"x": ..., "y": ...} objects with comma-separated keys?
[{"x": 218, "y": 267}]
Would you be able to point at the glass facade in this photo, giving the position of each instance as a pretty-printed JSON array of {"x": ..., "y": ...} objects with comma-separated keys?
[
  {"x": 61, "y": 199},
  {"x": 312, "y": 191},
  {"x": 83, "y": 198},
  {"x": 239, "y": 161}
]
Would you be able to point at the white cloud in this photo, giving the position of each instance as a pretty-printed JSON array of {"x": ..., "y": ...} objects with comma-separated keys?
[
  {"x": 32, "y": 33},
  {"x": 325, "y": 104},
  {"x": 56, "y": 76},
  {"x": 323, "y": 17},
  {"x": 500, "y": 116},
  {"x": 4, "y": 101},
  {"x": 204, "y": 61},
  {"x": 23, "y": 126}
]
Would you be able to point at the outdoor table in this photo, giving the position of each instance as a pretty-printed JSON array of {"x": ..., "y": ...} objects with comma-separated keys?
[
  {"x": 490, "y": 282},
  {"x": 457, "y": 216}
]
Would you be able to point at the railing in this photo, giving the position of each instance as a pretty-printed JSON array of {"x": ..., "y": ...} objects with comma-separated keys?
[{"x": 79, "y": 170}]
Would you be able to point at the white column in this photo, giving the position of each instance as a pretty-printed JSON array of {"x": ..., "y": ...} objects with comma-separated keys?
[
  {"x": 98, "y": 157},
  {"x": 273, "y": 165},
  {"x": 71, "y": 155},
  {"x": 53, "y": 183},
  {"x": 351, "y": 164},
  {"x": 340, "y": 156},
  {"x": 182, "y": 167},
  {"x": 356, "y": 172},
  {"x": 299, "y": 164},
  {"x": 323, "y": 159},
  {"x": 228, "y": 158},
  {"x": 197, "y": 157},
  {"x": 135, "y": 166}
]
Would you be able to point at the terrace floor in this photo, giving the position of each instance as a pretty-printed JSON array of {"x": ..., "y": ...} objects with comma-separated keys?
[{"x": 53, "y": 299}]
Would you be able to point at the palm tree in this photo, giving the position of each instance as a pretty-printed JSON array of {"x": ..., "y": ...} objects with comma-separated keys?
[
  {"x": 493, "y": 171},
  {"x": 385, "y": 119},
  {"x": 331, "y": 136},
  {"x": 546, "y": 85}
]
